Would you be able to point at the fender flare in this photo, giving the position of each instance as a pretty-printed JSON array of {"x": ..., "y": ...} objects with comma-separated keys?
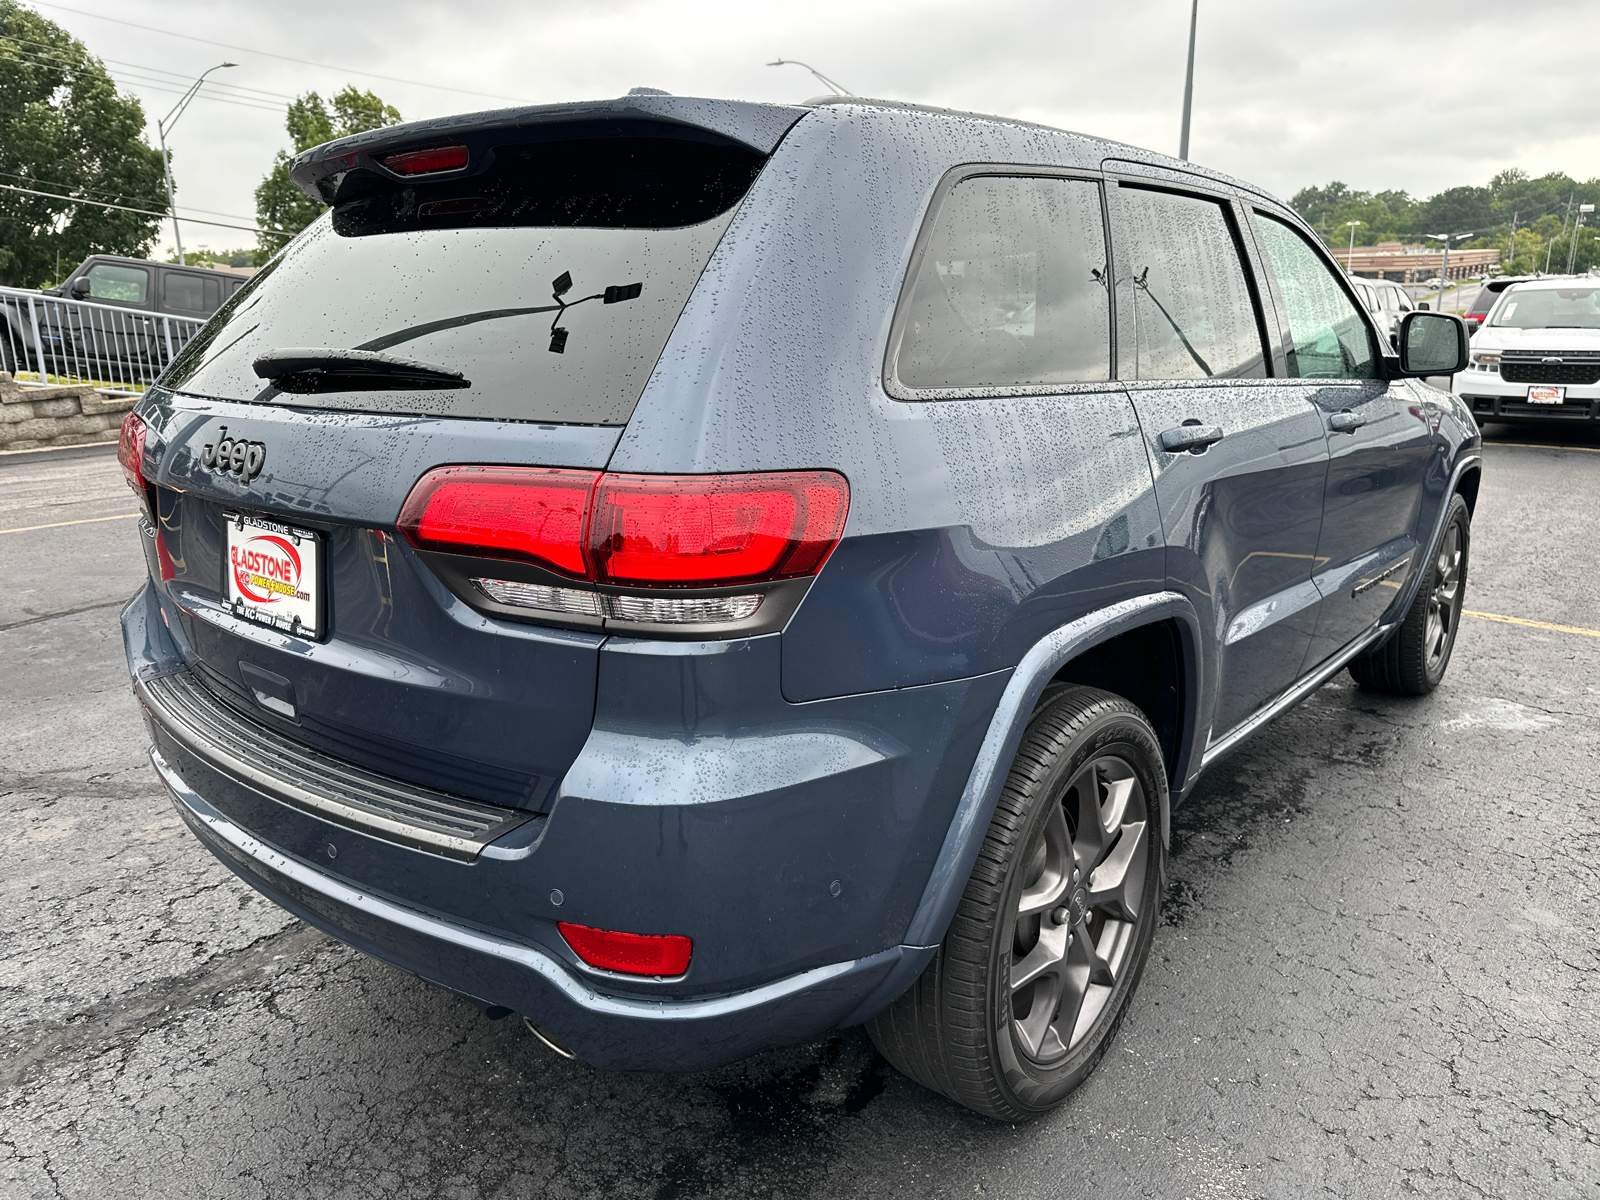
[
  {"x": 1472, "y": 460},
  {"x": 1038, "y": 666}
]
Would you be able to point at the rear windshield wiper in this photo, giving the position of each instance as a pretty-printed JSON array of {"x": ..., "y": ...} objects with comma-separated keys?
[{"x": 323, "y": 369}]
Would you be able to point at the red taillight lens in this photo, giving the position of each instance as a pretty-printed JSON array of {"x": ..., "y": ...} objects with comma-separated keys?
[
  {"x": 130, "y": 451},
  {"x": 530, "y": 514},
  {"x": 630, "y": 953},
  {"x": 426, "y": 162},
  {"x": 709, "y": 530}
]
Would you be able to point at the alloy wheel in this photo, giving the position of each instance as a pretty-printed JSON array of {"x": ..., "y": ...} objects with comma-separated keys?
[
  {"x": 1444, "y": 598},
  {"x": 1079, "y": 910}
]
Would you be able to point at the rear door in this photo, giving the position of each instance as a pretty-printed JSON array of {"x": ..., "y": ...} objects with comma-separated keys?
[
  {"x": 1239, "y": 458},
  {"x": 1381, "y": 436}
]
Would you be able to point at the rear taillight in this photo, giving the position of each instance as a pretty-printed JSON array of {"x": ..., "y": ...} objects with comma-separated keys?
[
  {"x": 653, "y": 535},
  {"x": 709, "y": 531},
  {"x": 130, "y": 453},
  {"x": 630, "y": 953},
  {"x": 428, "y": 162},
  {"x": 527, "y": 514}
]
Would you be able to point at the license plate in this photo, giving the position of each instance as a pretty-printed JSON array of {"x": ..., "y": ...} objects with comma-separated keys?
[
  {"x": 274, "y": 575},
  {"x": 1547, "y": 395}
]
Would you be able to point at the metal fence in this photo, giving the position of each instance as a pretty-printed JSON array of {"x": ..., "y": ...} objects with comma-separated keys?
[{"x": 52, "y": 340}]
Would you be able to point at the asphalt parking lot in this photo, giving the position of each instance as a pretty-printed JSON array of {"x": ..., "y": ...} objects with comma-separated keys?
[{"x": 1379, "y": 971}]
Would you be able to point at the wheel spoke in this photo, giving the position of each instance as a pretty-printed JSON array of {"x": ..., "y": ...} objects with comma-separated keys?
[
  {"x": 1088, "y": 836},
  {"x": 1055, "y": 878},
  {"x": 1036, "y": 1030},
  {"x": 1118, "y": 882},
  {"x": 1077, "y": 981},
  {"x": 1046, "y": 954}
]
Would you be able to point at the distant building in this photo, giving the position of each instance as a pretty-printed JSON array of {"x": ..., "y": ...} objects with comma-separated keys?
[{"x": 1407, "y": 264}]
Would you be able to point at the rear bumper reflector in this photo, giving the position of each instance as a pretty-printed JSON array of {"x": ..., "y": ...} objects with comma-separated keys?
[{"x": 666, "y": 610}]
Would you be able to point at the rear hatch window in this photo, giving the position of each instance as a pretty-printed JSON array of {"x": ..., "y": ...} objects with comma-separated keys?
[{"x": 539, "y": 283}]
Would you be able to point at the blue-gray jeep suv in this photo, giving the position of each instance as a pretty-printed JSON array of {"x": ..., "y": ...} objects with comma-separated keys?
[{"x": 702, "y": 574}]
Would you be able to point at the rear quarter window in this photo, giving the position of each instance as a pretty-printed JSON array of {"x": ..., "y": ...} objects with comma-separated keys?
[{"x": 1009, "y": 290}]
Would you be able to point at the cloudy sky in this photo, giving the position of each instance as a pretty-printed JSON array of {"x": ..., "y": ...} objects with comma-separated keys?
[{"x": 1380, "y": 95}]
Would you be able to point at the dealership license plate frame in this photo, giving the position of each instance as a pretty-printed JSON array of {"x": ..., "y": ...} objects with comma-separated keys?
[
  {"x": 306, "y": 615},
  {"x": 1547, "y": 393}
]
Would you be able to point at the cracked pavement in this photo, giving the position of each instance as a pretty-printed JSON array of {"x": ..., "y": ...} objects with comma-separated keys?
[{"x": 1377, "y": 973}]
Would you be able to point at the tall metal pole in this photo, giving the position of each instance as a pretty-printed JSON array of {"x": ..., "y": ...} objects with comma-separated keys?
[
  {"x": 1188, "y": 83},
  {"x": 172, "y": 205},
  {"x": 166, "y": 123},
  {"x": 1572, "y": 247},
  {"x": 1350, "y": 255}
]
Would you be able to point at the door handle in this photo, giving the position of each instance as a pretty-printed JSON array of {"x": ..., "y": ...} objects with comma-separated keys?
[
  {"x": 1346, "y": 421},
  {"x": 1194, "y": 438}
]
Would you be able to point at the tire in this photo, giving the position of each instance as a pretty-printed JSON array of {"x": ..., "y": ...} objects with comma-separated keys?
[
  {"x": 958, "y": 1030},
  {"x": 1413, "y": 659}
]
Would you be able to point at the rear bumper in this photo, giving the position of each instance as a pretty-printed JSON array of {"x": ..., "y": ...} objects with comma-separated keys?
[
  {"x": 792, "y": 842},
  {"x": 604, "y": 1030}
]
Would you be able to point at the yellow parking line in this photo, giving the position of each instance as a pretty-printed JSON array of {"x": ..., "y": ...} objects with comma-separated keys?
[
  {"x": 1483, "y": 616},
  {"x": 61, "y": 524}
]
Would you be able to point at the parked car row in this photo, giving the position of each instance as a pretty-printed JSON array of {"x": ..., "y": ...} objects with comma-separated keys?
[{"x": 1387, "y": 302}]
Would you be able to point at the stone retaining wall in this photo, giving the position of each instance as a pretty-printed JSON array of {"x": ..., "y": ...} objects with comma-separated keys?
[{"x": 33, "y": 417}]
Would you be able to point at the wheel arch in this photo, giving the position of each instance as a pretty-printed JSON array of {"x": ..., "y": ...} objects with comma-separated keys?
[
  {"x": 1467, "y": 486},
  {"x": 1162, "y": 627}
]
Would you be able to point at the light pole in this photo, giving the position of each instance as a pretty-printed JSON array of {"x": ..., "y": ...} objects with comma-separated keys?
[
  {"x": 1350, "y": 256},
  {"x": 1188, "y": 83},
  {"x": 838, "y": 90},
  {"x": 163, "y": 126},
  {"x": 1444, "y": 270},
  {"x": 1572, "y": 249}
]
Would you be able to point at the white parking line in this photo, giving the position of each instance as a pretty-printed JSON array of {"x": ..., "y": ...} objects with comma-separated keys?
[{"x": 60, "y": 524}]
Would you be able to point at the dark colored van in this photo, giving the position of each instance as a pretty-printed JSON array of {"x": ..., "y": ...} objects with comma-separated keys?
[{"x": 702, "y": 574}]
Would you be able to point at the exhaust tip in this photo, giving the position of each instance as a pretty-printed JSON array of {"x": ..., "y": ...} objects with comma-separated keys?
[{"x": 549, "y": 1040}]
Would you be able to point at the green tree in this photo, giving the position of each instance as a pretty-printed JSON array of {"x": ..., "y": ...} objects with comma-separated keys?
[
  {"x": 281, "y": 205},
  {"x": 64, "y": 129},
  {"x": 227, "y": 258}
]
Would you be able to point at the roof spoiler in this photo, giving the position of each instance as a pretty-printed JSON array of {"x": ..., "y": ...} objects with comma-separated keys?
[{"x": 319, "y": 171}]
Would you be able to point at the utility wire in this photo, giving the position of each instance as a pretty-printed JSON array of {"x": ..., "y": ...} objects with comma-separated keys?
[
  {"x": 145, "y": 211},
  {"x": 154, "y": 84},
  {"x": 100, "y": 193},
  {"x": 305, "y": 62},
  {"x": 56, "y": 52}
]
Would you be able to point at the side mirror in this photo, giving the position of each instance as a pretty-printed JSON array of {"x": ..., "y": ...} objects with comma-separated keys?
[
  {"x": 1422, "y": 306},
  {"x": 79, "y": 287},
  {"x": 1432, "y": 344}
]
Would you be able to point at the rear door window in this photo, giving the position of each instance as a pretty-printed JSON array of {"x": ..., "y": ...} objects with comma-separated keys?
[
  {"x": 1010, "y": 288},
  {"x": 1328, "y": 335},
  {"x": 1184, "y": 307},
  {"x": 110, "y": 281}
]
